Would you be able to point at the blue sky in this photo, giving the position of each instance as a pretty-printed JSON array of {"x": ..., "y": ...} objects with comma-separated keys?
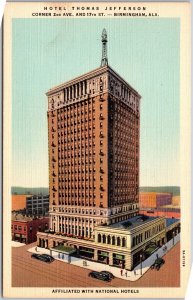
[{"x": 47, "y": 52}]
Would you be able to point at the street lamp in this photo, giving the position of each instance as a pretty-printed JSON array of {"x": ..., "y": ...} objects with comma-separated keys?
[{"x": 141, "y": 256}]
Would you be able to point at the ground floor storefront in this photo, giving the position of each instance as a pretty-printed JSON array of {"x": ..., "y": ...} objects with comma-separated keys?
[
  {"x": 89, "y": 250},
  {"x": 21, "y": 238},
  {"x": 86, "y": 250},
  {"x": 120, "y": 254}
]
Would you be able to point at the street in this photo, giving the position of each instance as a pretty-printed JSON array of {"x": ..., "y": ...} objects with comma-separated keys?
[{"x": 28, "y": 272}]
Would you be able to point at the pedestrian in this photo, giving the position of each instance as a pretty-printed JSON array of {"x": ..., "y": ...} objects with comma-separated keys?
[
  {"x": 121, "y": 272},
  {"x": 135, "y": 272},
  {"x": 36, "y": 248},
  {"x": 126, "y": 273}
]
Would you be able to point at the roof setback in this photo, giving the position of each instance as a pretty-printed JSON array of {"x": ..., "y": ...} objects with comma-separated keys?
[{"x": 133, "y": 222}]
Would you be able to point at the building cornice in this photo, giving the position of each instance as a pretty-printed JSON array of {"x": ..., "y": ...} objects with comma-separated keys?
[
  {"x": 114, "y": 73},
  {"x": 90, "y": 75}
]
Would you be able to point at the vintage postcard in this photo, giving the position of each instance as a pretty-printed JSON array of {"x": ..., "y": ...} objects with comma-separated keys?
[{"x": 96, "y": 139}]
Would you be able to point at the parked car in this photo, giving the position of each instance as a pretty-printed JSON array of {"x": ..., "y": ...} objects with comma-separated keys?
[
  {"x": 158, "y": 263},
  {"x": 111, "y": 276},
  {"x": 99, "y": 275},
  {"x": 42, "y": 257},
  {"x": 48, "y": 256}
]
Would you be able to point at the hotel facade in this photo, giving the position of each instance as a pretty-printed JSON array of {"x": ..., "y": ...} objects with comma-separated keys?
[{"x": 93, "y": 138}]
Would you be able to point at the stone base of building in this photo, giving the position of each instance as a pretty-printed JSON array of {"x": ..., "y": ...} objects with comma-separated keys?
[
  {"x": 88, "y": 249},
  {"x": 116, "y": 245}
]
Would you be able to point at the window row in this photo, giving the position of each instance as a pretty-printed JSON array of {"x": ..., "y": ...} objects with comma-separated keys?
[
  {"x": 111, "y": 240},
  {"x": 78, "y": 105},
  {"x": 77, "y": 137},
  {"x": 77, "y": 163},
  {"x": 76, "y": 187},
  {"x": 76, "y": 114},
  {"x": 74, "y": 154}
]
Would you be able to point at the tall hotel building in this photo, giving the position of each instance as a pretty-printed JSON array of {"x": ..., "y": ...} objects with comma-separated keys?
[
  {"x": 93, "y": 128},
  {"x": 93, "y": 132}
]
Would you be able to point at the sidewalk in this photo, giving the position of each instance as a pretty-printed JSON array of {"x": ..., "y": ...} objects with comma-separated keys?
[
  {"x": 17, "y": 244},
  {"x": 127, "y": 275}
]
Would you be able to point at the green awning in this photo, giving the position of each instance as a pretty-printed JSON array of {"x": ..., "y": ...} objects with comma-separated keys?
[
  {"x": 104, "y": 253},
  {"x": 64, "y": 249},
  {"x": 87, "y": 250},
  {"x": 118, "y": 256}
]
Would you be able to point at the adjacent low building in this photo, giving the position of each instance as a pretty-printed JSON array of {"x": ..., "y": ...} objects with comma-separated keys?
[
  {"x": 32, "y": 205},
  {"x": 19, "y": 202},
  {"x": 121, "y": 244},
  {"x": 153, "y": 199},
  {"x": 176, "y": 201},
  {"x": 25, "y": 228},
  {"x": 37, "y": 205},
  {"x": 168, "y": 211}
]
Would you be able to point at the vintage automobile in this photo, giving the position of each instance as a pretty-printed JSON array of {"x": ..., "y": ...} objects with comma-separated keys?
[
  {"x": 43, "y": 257},
  {"x": 158, "y": 263},
  {"x": 99, "y": 275},
  {"x": 111, "y": 276}
]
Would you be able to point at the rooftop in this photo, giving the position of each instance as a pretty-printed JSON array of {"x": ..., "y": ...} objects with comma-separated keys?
[
  {"x": 171, "y": 221},
  {"x": 23, "y": 217},
  {"x": 133, "y": 222},
  {"x": 170, "y": 206},
  {"x": 155, "y": 193}
]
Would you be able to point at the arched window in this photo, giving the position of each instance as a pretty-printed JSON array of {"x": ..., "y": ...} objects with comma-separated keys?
[
  {"x": 104, "y": 239},
  {"x": 113, "y": 240},
  {"x": 99, "y": 238},
  {"x": 108, "y": 239},
  {"x": 118, "y": 241},
  {"x": 139, "y": 238},
  {"x": 123, "y": 242}
]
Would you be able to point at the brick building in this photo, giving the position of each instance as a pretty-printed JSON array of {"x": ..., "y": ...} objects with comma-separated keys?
[
  {"x": 37, "y": 205},
  {"x": 153, "y": 199},
  {"x": 93, "y": 130},
  {"x": 168, "y": 212},
  {"x": 176, "y": 201},
  {"x": 24, "y": 229},
  {"x": 19, "y": 202}
]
